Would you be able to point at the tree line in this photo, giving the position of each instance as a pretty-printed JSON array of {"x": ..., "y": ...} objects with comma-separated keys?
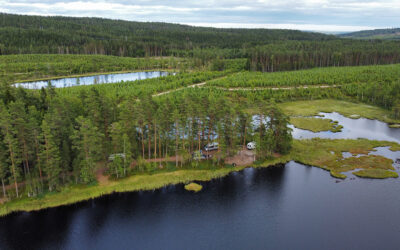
[
  {"x": 266, "y": 50},
  {"x": 50, "y": 140}
]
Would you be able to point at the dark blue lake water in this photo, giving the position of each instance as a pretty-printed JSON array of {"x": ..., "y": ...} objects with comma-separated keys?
[{"x": 283, "y": 207}]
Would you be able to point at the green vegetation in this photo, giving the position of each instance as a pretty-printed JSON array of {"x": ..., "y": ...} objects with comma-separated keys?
[
  {"x": 384, "y": 34},
  {"x": 54, "y": 137},
  {"x": 265, "y": 50},
  {"x": 376, "y": 174},
  {"x": 142, "y": 181},
  {"x": 194, "y": 187},
  {"x": 42, "y": 67},
  {"x": 348, "y": 109},
  {"x": 319, "y": 76},
  {"x": 327, "y": 154},
  {"x": 53, "y": 142},
  {"x": 315, "y": 152},
  {"x": 316, "y": 124}
]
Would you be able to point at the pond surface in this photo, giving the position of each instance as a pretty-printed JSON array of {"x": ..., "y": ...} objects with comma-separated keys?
[
  {"x": 96, "y": 79},
  {"x": 352, "y": 129},
  {"x": 285, "y": 207}
]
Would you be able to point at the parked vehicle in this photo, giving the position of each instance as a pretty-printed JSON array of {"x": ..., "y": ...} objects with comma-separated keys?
[
  {"x": 112, "y": 156},
  {"x": 199, "y": 155},
  {"x": 211, "y": 146},
  {"x": 251, "y": 145}
]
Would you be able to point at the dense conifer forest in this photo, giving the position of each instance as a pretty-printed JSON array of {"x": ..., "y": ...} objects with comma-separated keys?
[
  {"x": 266, "y": 49},
  {"x": 225, "y": 90}
]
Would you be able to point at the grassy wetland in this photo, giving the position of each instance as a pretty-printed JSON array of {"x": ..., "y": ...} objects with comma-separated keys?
[{"x": 315, "y": 124}]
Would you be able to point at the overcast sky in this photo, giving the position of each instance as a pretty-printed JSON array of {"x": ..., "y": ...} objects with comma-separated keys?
[{"x": 316, "y": 15}]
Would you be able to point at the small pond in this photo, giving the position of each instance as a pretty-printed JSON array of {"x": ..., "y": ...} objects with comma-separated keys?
[{"x": 95, "y": 79}]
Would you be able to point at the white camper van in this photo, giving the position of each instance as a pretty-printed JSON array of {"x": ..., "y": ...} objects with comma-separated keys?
[
  {"x": 251, "y": 145},
  {"x": 211, "y": 146}
]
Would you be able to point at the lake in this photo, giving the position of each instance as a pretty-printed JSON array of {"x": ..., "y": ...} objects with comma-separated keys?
[
  {"x": 95, "y": 79},
  {"x": 286, "y": 207}
]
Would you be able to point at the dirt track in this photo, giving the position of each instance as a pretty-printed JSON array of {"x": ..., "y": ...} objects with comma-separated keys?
[
  {"x": 202, "y": 84},
  {"x": 242, "y": 158}
]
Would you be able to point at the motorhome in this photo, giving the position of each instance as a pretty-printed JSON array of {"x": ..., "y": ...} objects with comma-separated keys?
[
  {"x": 211, "y": 146},
  {"x": 251, "y": 145}
]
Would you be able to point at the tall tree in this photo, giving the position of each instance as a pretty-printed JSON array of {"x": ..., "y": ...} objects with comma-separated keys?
[
  {"x": 87, "y": 141},
  {"x": 50, "y": 154},
  {"x": 11, "y": 142}
]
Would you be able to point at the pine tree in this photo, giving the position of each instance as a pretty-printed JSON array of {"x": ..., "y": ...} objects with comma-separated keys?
[
  {"x": 11, "y": 143},
  {"x": 87, "y": 141},
  {"x": 3, "y": 167},
  {"x": 50, "y": 154}
]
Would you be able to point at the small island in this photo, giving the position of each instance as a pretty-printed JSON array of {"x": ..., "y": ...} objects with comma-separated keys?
[{"x": 194, "y": 187}]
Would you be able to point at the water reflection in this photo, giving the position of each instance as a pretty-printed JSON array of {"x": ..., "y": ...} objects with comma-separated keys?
[
  {"x": 252, "y": 209},
  {"x": 97, "y": 79},
  {"x": 352, "y": 129}
]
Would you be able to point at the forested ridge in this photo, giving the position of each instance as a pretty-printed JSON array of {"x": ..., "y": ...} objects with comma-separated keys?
[
  {"x": 36, "y": 34},
  {"x": 265, "y": 49},
  {"x": 393, "y": 33}
]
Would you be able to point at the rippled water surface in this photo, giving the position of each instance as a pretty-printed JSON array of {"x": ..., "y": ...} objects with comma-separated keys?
[
  {"x": 285, "y": 207},
  {"x": 96, "y": 79}
]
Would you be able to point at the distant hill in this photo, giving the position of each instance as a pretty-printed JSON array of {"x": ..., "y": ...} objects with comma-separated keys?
[
  {"x": 56, "y": 34},
  {"x": 384, "y": 34}
]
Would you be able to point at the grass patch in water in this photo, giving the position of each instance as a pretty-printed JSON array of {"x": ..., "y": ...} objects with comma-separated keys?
[
  {"x": 315, "y": 124},
  {"x": 338, "y": 175},
  {"x": 317, "y": 152},
  {"x": 394, "y": 126},
  {"x": 348, "y": 109},
  {"x": 376, "y": 174},
  {"x": 194, "y": 187}
]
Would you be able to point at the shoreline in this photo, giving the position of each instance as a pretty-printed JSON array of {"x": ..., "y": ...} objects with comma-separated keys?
[
  {"x": 93, "y": 74},
  {"x": 306, "y": 152},
  {"x": 79, "y": 193}
]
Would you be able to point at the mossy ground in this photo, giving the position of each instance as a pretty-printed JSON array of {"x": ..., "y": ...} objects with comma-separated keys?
[
  {"x": 318, "y": 152},
  {"x": 315, "y": 124},
  {"x": 376, "y": 174},
  {"x": 193, "y": 187}
]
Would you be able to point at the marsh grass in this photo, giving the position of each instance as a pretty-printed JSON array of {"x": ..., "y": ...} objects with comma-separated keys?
[
  {"x": 194, "y": 187},
  {"x": 317, "y": 152},
  {"x": 376, "y": 173},
  {"x": 348, "y": 109},
  {"x": 316, "y": 124}
]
